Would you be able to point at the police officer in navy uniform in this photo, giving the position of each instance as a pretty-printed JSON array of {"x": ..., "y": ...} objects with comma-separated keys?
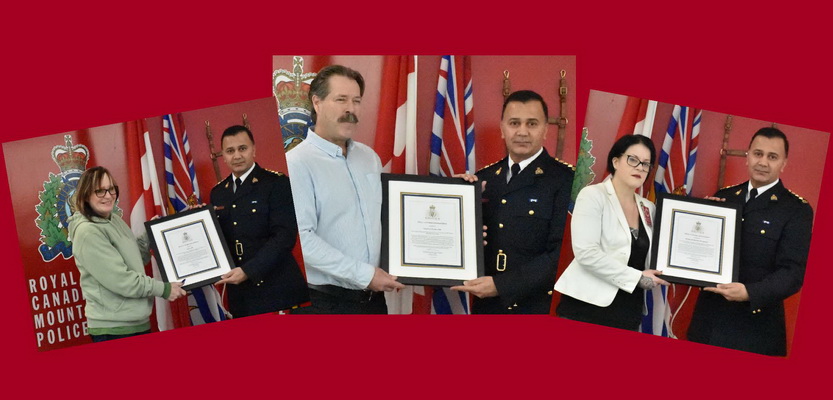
[
  {"x": 775, "y": 239},
  {"x": 525, "y": 200},
  {"x": 257, "y": 217}
]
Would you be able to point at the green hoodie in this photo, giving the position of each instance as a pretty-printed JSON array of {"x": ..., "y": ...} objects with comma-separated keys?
[{"x": 112, "y": 264}]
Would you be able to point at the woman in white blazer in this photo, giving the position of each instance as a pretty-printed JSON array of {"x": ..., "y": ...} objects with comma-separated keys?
[{"x": 611, "y": 238}]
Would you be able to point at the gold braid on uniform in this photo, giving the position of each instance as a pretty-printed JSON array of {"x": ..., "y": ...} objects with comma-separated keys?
[
  {"x": 571, "y": 166},
  {"x": 796, "y": 195},
  {"x": 278, "y": 173},
  {"x": 481, "y": 169}
]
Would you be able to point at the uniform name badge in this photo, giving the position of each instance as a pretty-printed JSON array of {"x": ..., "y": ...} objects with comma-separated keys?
[
  {"x": 432, "y": 229},
  {"x": 190, "y": 246},
  {"x": 696, "y": 241}
]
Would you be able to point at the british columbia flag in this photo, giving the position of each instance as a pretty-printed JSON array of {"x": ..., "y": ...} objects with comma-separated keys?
[
  {"x": 452, "y": 147},
  {"x": 205, "y": 302}
]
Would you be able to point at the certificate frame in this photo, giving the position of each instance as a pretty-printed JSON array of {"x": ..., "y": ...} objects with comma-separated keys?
[
  {"x": 193, "y": 232},
  {"x": 413, "y": 248},
  {"x": 696, "y": 242}
]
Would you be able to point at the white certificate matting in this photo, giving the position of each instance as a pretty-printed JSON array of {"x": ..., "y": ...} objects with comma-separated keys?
[
  {"x": 432, "y": 230},
  {"x": 190, "y": 246},
  {"x": 695, "y": 240}
]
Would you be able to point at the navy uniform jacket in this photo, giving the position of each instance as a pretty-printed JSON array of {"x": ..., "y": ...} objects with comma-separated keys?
[
  {"x": 775, "y": 239},
  {"x": 258, "y": 222},
  {"x": 525, "y": 221}
]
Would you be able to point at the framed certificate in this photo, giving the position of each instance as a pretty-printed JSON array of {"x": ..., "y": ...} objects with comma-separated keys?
[
  {"x": 190, "y": 246},
  {"x": 432, "y": 229},
  {"x": 696, "y": 241}
]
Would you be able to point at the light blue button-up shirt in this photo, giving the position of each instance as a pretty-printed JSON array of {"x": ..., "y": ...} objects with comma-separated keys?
[{"x": 338, "y": 205}]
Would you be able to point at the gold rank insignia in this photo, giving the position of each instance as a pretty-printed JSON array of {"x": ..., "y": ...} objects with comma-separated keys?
[
  {"x": 226, "y": 185},
  {"x": 738, "y": 192},
  {"x": 254, "y": 180},
  {"x": 797, "y": 196},
  {"x": 498, "y": 171},
  {"x": 774, "y": 198},
  {"x": 539, "y": 171}
]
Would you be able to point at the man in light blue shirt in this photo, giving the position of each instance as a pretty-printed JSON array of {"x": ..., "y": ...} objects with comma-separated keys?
[{"x": 337, "y": 191}]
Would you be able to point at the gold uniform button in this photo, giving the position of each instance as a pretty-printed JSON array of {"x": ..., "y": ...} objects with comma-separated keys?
[
  {"x": 500, "y": 225},
  {"x": 508, "y": 308},
  {"x": 550, "y": 293},
  {"x": 234, "y": 206},
  {"x": 235, "y": 222},
  {"x": 753, "y": 311},
  {"x": 503, "y": 201},
  {"x": 763, "y": 231},
  {"x": 531, "y": 212},
  {"x": 236, "y": 241},
  {"x": 253, "y": 210}
]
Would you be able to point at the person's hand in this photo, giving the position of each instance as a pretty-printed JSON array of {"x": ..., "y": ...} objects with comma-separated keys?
[
  {"x": 712, "y": 198},
  {"x": 176, "y": 291},
  {"x": 467, "y": 177},
  {"x": 734, "y": 291},
  {"x": 236, "y": 276},
  {"x": 193, "y": 206},
  {"x": 383, "y": 282},
  {"x": 649, "y": 279},
  {"x": 481, "y": 287}
]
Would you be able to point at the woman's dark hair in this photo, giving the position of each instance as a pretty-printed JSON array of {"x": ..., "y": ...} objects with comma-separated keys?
[
  {"x": 626, "y": 142},
  {"x": 87, "y": 184}
]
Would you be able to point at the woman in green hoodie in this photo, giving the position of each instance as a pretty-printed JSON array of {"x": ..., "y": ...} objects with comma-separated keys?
[{"x": 112, "y": 261}]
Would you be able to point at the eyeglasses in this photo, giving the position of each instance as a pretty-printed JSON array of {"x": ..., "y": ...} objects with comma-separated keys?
[
  {"x": 113, "y": 190},
  {"x": 634, "y": 162}
]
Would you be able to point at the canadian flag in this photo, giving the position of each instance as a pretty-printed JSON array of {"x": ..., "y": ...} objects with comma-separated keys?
[
  {"x": 396, "y": 146},
  {"x": 146, "y": 202}
]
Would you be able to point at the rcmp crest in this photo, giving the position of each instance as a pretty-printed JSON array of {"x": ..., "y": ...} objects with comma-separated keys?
[
  {"x": 55, "y": 206},
  {"x": 294, "y": 107}
]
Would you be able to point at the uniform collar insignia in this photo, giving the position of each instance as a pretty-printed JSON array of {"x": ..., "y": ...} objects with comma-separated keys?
[
  {"x": 738, "y": 192},
  {"x": 498, "y": 171},
  {"x": 773, "y": 198},
  {"x": 226, "y": 185},
  {"x": 254, "y": 180},
  {"x": 539, "y": 171}
]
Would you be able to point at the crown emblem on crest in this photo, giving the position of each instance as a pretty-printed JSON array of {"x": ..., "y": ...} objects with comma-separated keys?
[
  {"x": 55, "y": 205},
  {"x": 291, "y": 89},
  {"x": 70, "y": 157}
]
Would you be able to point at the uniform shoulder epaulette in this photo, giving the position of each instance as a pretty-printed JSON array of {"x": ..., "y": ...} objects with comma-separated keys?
[
  {"x": 221, "y": 181},
  {"x": 481, "y": 169},
  {"x": 278, "y": 173},
  {"x": 566, "y": 164},
  {"x": 797, "y": 196},
  {"x": 730, "y": 186}
]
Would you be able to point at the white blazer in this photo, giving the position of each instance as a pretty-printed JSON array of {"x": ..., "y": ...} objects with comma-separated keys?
[{"x": 602, "y": 246}]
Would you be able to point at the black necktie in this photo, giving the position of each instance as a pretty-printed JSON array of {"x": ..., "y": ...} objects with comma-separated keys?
[
  {"x": 237, "y": 183},
  {"x": 752, "y": 194},
  {"x": 516, "y": 169}
]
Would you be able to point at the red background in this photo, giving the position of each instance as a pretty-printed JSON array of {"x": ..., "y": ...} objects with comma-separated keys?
[{"x": 66, "y": 68}]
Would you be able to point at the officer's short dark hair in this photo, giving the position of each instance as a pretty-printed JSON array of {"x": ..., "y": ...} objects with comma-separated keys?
[
  {"x": 626, "y": 142},
  {"x": 320, "y": 85},
  {"x": 234, "y": 130},
  {"x": 525, "y": 96},
  {"x": 771, "y": 133}
]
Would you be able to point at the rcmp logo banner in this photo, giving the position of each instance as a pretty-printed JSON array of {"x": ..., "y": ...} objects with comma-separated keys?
[
  {"x": 294, "y": 107},
  {"x": 55, "y": 205}
]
